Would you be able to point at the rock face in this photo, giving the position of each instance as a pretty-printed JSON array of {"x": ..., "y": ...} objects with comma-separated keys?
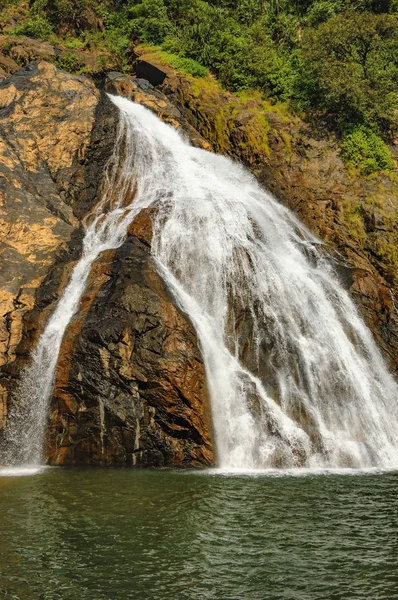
[
  {"x": 130, "y": 385},
  {"x": 45, "y": 123}
]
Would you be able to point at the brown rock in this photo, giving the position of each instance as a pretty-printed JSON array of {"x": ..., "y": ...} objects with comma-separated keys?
[
  {"x": 23, "y": 50},
  {"x": 45, "y": 129},
  {"x": 130, "y": 386},
  {"x": 8, "y": 65}
]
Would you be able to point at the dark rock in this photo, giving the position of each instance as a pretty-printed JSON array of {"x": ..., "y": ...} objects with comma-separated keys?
[
  {"x": 102, "y": 139},
  {"x": 130, "y": 386},
  {"x": 151, "y": 73}
]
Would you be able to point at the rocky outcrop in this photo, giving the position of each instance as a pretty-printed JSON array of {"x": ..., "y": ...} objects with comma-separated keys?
[
  {"x": 46, "y": 118},
  {"x": 143, "y": 92},
  {"x": 130, "y": 385},
  {"x": 23, "y": 50},
  {"x": 19, "y": 51}
]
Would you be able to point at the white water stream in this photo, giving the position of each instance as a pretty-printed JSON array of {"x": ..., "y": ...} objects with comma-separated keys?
[{"x": 295, "y": 377}]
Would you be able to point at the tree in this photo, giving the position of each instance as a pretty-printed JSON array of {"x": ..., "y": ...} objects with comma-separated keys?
[
  {"x": 150, "y": 21},
  {"x": 351, "y": 69}
]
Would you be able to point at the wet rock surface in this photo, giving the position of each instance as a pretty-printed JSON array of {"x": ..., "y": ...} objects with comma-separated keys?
[{"x": 130, "y": 385}]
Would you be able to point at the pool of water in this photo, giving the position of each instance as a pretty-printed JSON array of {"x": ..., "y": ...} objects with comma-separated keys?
[{"x": 124, "y": 534}]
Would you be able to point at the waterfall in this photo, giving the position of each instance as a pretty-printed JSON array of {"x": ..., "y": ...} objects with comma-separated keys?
[{"x": 294, "y": 375}]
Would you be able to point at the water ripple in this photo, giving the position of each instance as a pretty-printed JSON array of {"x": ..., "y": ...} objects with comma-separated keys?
[{"x": 121, "y": 535}]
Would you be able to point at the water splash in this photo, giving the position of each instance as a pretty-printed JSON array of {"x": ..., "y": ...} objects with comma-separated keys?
[
  {"x": 21, "y": 471},
  {"x": 294, "y": 375}
]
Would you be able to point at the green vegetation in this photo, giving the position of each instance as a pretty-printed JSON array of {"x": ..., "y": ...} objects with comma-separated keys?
[
  {"x": 361, "y": 218},
  {"x": 64, "y": 15},
  {"x": 351, "y": 63},
  {"x": 36, "y": 27},
  {"x": 70, "y": 62},
  {"x": 354, "y": 222},
  {"x": 334, "y": 60},
  {"x": 363, "y": 148},
  {"x": 187, "y": 65}
]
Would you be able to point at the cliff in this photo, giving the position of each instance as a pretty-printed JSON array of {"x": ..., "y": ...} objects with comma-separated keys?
[
  {"x": 46, "y": 122},
  {"x": 130, "y": 386},
  {"x": 117, "y": 399}
]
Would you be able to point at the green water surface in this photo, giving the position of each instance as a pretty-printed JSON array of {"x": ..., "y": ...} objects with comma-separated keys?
[{"x": 120, "y": 534}]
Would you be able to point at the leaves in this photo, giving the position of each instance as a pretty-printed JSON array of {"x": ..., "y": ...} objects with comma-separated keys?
[
  {"x": 334, "y": 59},
  {"x": 353, "y": 58}
]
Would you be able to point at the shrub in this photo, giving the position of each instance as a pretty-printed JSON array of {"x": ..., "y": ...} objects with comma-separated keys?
[
  {"x": 364, "y": 149},
  {"x": 188, "y": 65},
  {"x": 322, "y": 11},
  {"x": 353, "y": 61},
  {"x": 35, "y": 27},
  {"x": 63, "y": 14},
  {"x": 70, "y": 62},
  {"x": 74, "y": 43},
  {"x": 150, "y": 21}
]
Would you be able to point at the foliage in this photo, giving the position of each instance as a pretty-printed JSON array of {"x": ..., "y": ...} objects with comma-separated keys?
[
  {"x": 352, "y": 67},
  {"x": 35, "y": 27},
  {"x": 149, "y": 20},
  {"x": 74, "y": 43},
  {"x": 336, "y": 60},
  {"x": 69, "y": 61},
  {"x": 364, "y": 149},
  {"x": 67, "y": 14}
]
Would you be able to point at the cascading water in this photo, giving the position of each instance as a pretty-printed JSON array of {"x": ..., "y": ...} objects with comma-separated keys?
[{"x": 294, "y": 375}]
